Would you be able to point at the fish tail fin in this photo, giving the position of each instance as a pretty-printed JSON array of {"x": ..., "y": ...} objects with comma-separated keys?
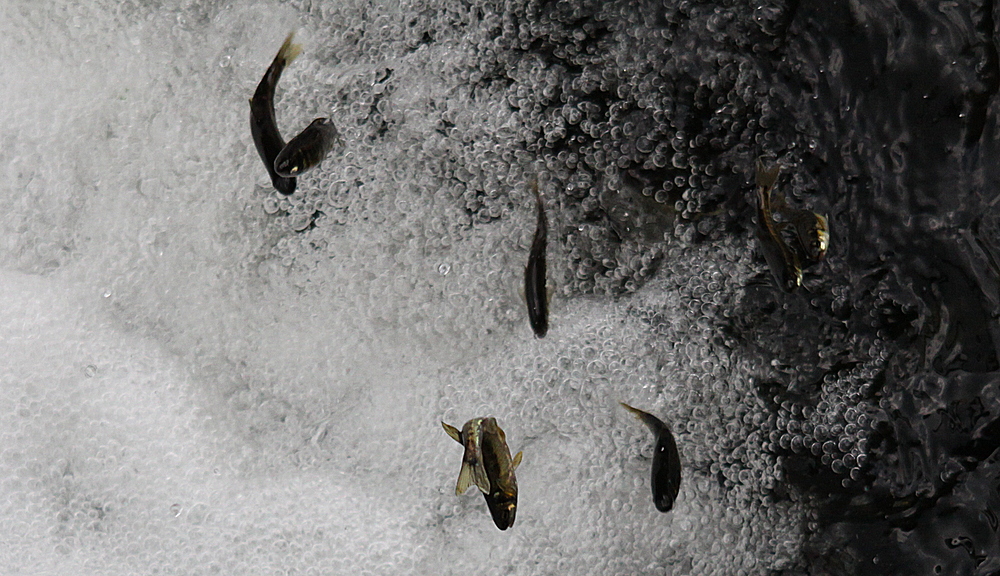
[
  {"x": 651, "y": 422},
  {"x": 766, "y": 175},
  {"x": 288, "y": 50},
  {"x": 472, "y": 474},
  {"x": 638, "y": 413},
  {"x": 539, "y": 201}
]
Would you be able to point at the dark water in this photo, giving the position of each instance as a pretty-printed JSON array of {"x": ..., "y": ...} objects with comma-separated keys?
[
  {"x": 897, "y": 100},
  {"x": 905, "y": 157},
  {"x": 882, "y": 373}
]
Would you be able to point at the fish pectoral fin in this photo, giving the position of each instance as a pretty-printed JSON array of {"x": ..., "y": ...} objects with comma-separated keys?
[
  {"x": 453, "y": 432},
  {"x": 549, "y": 291},
  {"x": 517, "y": 460}
]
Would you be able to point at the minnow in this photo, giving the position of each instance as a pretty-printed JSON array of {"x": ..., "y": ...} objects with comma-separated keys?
[
  {"x": 784, "y": 263},
  {"x": 308, "y": 149},
  {"x": 666, "y": 475},
  {"x": 263, "y": 125},
  {"x": 487, "y": 464},
  {"x": 535, "y": 292}
]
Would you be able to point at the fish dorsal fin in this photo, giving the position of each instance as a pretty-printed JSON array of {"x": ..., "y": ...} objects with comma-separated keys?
[
  {"x": 517, "y": 461},
  {"x": 453, "y": 432}
]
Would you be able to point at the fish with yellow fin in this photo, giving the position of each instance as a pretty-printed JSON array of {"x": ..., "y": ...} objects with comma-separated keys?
[
  {"x": 666, "y": 474},
  {"x": 263, "y": 124},
  {"x": 800, "y": 239},
  {"x": 487, "y": 464}
]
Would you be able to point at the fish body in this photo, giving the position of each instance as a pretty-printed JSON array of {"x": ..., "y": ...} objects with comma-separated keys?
[
  {"x": 535, "y": 292},
  {"x": 487, "y": 464},
  {"x": 308, "y": 149},
  {"x": 666, "y": 474},
  {"x": 263, "y": 125},
  {"x": 784, "y": 262}
]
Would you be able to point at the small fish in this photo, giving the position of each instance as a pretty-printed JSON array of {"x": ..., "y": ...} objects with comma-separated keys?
[
  {"x": 783, "y": 261},
  {"x": 487, "y": 464},
  {"x": 666, "y": 475},
  {"x": 263, "y": 125},
  {"x": 535, "y": 292},
  {"x": 308, "y": 149}
]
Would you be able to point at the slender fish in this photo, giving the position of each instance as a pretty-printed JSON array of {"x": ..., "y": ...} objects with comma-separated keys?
[
  {"x": 666, "y": 476},
  {"x": 784, "y": 263},
  {"x": 487, "y": 464},
  {"x": 263, "y": 125},
  {"x": 535, "y": 293},
  {"x": 308, "y": 149}
]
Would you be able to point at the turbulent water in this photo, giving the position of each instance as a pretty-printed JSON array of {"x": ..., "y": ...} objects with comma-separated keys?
[{"x": 201, "y": 376}]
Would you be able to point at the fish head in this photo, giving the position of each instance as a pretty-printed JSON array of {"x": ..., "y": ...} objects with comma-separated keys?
[
  {"x": 791, "y": 278},
  {"x": 287, "y": 165},
  {"x": 503, "y": 507},
  {"x": 664, "y": 502}
]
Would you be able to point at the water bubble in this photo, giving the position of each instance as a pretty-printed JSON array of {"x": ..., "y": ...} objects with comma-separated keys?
[{"x": 270, "y": 205}]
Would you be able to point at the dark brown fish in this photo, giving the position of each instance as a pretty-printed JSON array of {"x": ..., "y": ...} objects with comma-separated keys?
[
  {"x": 308, "y": 149},
  {"x": 535, "y": 291},
  {"x": 487, "y": 464},
  {"x": 783, "y": 261},
  {"x": 666, "y": 476},
  {"x": 263, "y": 125}
]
